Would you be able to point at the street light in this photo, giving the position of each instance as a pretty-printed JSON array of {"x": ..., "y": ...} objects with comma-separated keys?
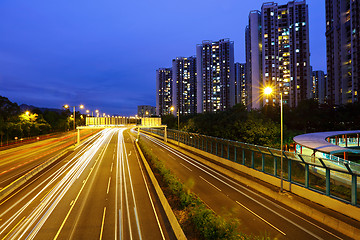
[
  {"x": 178, "y": 115},
  {"x": 268, "y": 91},
  {"x": 81, "y": 107}
]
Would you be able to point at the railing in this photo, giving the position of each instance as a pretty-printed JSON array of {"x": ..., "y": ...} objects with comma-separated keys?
[{"x": 337, "y": 179}]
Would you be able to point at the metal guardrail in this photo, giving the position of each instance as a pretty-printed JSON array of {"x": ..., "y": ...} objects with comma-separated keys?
[{"x": 337, "y": 179}]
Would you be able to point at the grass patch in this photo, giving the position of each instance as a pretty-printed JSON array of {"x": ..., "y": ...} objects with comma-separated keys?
[{"x": 195, "y": 218}]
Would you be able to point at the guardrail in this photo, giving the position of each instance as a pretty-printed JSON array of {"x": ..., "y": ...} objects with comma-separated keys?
[{"x": 337, "y": 179}]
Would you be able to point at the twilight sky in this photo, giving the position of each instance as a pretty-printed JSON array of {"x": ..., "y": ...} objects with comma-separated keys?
[{"x": 104, "y": 53}]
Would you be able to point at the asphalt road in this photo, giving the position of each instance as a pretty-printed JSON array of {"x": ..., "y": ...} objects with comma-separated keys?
[
  {"x": 258, "y": 214},
  {"x": 17, "y": 161},
  {"x": 100, "y": 191}
]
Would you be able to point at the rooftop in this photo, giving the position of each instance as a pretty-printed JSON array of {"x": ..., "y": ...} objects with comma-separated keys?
[{"x": 317, "y": 141}]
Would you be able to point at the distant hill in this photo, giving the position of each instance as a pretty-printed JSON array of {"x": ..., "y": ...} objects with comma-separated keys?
[{"x": 24, "y": 107}]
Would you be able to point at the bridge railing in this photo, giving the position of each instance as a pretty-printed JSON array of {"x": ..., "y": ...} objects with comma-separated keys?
[{"x": 337, "y": 179}]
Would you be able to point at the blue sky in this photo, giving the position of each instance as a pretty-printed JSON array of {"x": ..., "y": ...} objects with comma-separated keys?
[{"x": 104, "y": 54}]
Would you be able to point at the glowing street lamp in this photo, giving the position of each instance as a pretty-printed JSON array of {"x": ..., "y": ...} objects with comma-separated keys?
[
  {"x": 268, "y": 91},
  {"x": 81, "y": 107},
  {"x": 172, "y": 108}
]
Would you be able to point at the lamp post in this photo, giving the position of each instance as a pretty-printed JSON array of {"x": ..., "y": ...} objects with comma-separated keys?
[
  {"x": 178, "y": 117},
  {"x": 81, "y": 107},
  {"x": 268, "y": 91}
]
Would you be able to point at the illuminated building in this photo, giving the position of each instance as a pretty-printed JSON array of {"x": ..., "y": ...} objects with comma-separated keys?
[
  {"x": 318, "y": 86},
  {"x": 343, "y": 51},
  {"x": 215, "y": 76},
  {"x": 284, "y": 47},
  {"x": 164, "y": 84},
  {"x": 240, "y": 83},
  {"x": 184, "y": 85}
]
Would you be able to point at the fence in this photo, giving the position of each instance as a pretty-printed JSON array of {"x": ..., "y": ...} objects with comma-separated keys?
[{"x": 337, "y": 179}]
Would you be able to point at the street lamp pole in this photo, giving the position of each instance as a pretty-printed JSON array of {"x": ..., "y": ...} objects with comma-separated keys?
[
  {"x": 178, "y": 113},
  {"x": 282, "y": 140},
  {"x": 268, "y": 91}
]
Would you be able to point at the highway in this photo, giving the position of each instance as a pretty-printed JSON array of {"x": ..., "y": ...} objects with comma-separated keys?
[
  {"x": 258, "y": 214},
  {"x": 16, "y": 161},
  {"x": 100, "y": 191}
]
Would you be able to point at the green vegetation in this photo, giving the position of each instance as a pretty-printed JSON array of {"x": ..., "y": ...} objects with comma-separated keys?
[
  {"x": 14, "y": 123},
  {"x": 262, "y": 127},
  {"x": 196, "y": 219}
]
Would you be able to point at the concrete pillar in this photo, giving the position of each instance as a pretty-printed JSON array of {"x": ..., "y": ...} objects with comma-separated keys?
[{"x": 346, "y": 141}]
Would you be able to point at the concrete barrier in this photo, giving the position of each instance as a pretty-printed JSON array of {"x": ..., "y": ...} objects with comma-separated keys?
[
  {"x": 6, "y": 191},
  {"x": 336, "y": 205},
  {"x": 168, "y": 211},
  {"x": 22, "y": 180}
]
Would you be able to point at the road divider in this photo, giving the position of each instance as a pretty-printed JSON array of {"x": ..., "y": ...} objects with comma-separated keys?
[{"x": 6, "y": 191}]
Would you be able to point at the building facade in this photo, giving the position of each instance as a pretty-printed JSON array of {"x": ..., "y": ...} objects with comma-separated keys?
[
  {"x": 146, "y": 111},
  {"x": 184, "y": 92},
  {"x": 240, "y": 83},
  {"x": 343, "y": 50},
  {"x": 283, "y": 53},
  {"x": 253, "y": 39},
  {"x": 318, "y": 86},
  {"x": 215, "y": 76},
  {"x": 164, "y": 85}
]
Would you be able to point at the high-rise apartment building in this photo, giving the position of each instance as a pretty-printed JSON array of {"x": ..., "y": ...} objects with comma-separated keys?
[
  {"x": 146, "y": 111},
  {"x": 318, "y": 91},
  {"x": 343, "y": 51},
  {"x": 164, "y": 85},
  {"x": 184, "y": 91},
  {"x": 253, "y": 39},
  {"x": 282, "y": 50},
  {"x": 240, "y": 83},
  {"x": 215, "y": 76}
]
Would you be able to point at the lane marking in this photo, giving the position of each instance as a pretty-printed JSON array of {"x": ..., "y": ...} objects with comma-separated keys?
[
  {"x": 261, "y": 218},
  {"x": 102, "y": 223},
  {"x": 186, "y": 167},
  {"x": 202, "y": 167},
  {"x": 171, "y": 157},
  {"x": 13, "y": 228},
  {"x": 107, "y": 191},
  {"x": 111, "y": 166},
  {"x": 210, "y": 183},
  {"x": 148, "y": 191}
]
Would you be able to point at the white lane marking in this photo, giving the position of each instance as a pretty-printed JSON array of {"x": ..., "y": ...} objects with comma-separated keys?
[
  {"x": 194, "y": 162},
  {"x": 120, "y": 230},
  {"x": 131, "y": 184},
  {"x": 108, "y": 187},
  {"x": 137, "y": 222},
  {"x": 186, "y": 167},
  {"x": 161, "y": 150},
  {"x": 102, "y": 224},
  {"x": 261, "y": 218},
  {"x": 148, "y": 192},
  {"x": 171, "y": 157},
  {"x": 210, "y": 183},
  {"x": 130, "y": 153},
  {"x": 111, "y": 166}
]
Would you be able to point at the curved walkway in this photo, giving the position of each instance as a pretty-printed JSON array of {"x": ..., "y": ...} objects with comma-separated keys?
[{"x": 317, "y": 141}]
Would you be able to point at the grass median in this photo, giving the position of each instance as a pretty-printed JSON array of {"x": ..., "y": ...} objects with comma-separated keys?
[{"x": 195, "y": 218}]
